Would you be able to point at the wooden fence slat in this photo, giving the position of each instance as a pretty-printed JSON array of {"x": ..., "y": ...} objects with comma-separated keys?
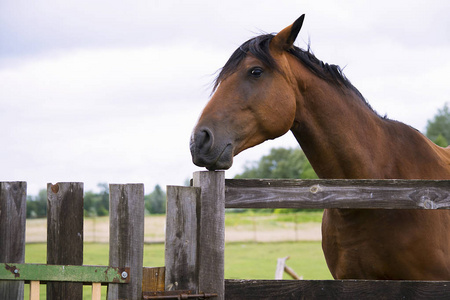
[
  {"x": 65, "y": 234},
  {"x": 211, "y": 236},
  {"x": 181, "y": 238},
  {"x": 126, "y": 237},
  {"x": 387, "y": 194},
  {"x": 12, "y": 232},
  {"x": 335, "y": 289}
]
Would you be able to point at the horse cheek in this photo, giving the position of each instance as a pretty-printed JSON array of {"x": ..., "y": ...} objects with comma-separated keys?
[{"x": 281, "y": 115}]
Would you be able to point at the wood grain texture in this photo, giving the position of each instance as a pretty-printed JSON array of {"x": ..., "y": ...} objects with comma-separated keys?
[
  {"x": 12, "y": 232},
  {"x": 211, "y": 226},
  {"x": 65, "y": 234},
  {"x": 126, "y": 237},
  {"x": 387, "y": 194},
  {"x": 153, "y": 279},
  {"x": 181, "y": 238},
  {"x": 335, "y": 289}
]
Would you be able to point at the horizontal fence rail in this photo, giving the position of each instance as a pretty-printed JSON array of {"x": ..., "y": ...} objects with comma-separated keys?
[
  {"x": 43, "y": 273},
  {"x": 352, "y": 194},
  {"x": 335, "y": 289},
  {"x": 316, "y": 194}
]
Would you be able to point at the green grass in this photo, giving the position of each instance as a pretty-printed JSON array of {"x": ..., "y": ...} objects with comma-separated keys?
[
  {"x": 242, "y": 260},
  {"x": 307, "y": 216},
  {"x": 259, "y": 260},
  {"x": 268, "y": 218}
]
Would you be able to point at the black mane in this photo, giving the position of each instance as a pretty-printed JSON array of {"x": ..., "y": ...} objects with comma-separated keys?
[{"x": 259, "y": 47}]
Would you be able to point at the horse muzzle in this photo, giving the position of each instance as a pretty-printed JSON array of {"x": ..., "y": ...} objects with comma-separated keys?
[{"x": 210, "y": 153}]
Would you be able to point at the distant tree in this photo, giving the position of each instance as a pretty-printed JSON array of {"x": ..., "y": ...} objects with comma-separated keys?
[
  {"x": 103, "y": 206},
  {"x": 438, "y": 129},
  {"x": 155, "y": 202},
  {"x": 441, "y": 141},
  {"x": 90, "y": 203},
  {"x": 280, "y": 163},
  {"x": 97, "y": 204},
  {"x": 37, "y": 205}
]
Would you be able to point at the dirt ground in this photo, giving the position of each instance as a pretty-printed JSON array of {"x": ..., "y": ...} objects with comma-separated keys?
[
  {"x": 97, "y": 230},
  {"x": 304, "y": 232}
]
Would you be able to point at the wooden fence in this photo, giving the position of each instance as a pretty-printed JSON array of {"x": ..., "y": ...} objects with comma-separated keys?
[
  {"x": 204, "y": 271},
  {"x": 64, "y": 273},
  {"x": 195, "y": 238}
]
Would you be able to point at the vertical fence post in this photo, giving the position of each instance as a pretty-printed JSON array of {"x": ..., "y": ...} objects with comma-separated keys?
[
  {"x": 126, "y": 237},
  {"x": 12, "y": 232},
  {"x": 211, "y": 226},
  {"x": 181, "y": 238},
  {"x": 65, "y": 234}
]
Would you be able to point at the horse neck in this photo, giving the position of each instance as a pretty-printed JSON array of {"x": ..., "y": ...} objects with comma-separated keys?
[{"x": 344, "y": 138}]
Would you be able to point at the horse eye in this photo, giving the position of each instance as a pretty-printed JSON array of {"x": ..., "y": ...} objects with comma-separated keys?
[{"x": 256, "y": 72}]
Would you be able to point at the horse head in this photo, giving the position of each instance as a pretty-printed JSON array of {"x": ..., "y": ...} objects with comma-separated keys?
[{"x": 254, "y": 100}]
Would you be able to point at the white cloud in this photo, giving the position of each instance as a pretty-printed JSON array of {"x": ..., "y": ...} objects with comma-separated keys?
[
  {"x": 90, "y": 115},
  {"x": 108, "y": 91}
]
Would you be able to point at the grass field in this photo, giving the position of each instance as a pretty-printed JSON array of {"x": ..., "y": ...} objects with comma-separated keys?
[{"x": 242, "y": 260}]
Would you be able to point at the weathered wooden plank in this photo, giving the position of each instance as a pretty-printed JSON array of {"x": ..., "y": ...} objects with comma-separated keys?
[
  {"x": 65, "y": 234},
  {"x": 153, "y": 279},
  {"x": 181, "y": 238},
  {"x": 211, "y": 225},
  {"x": 335, "y": 289},
  {"x": 43, "y": 273},
  {"x": 386, "y": 194},
  {"x": 126, "y": 237},
  {"x": 12, "y": 232}
]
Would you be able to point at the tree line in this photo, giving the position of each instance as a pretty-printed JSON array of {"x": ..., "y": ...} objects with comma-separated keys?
[
  {"x": 97, "y": 204},
  {"x": 279, "y": 163},
  {"x": 438, "y": 128}
]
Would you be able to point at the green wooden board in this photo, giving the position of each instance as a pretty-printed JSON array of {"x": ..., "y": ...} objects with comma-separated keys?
[{"x": 86, "y": 274}]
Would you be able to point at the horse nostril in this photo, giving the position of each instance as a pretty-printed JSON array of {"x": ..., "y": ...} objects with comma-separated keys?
[{"x": 204, "y": 140}]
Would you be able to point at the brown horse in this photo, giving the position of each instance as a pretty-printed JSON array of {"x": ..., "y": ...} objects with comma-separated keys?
[{"x": 268, "y": 87}]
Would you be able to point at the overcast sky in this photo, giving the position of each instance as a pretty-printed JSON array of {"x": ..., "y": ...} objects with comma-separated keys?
[{"x": 109, "y": 91}]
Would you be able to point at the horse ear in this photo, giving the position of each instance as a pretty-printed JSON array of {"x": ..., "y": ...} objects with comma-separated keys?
[{"x": 285, "y": 39}]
